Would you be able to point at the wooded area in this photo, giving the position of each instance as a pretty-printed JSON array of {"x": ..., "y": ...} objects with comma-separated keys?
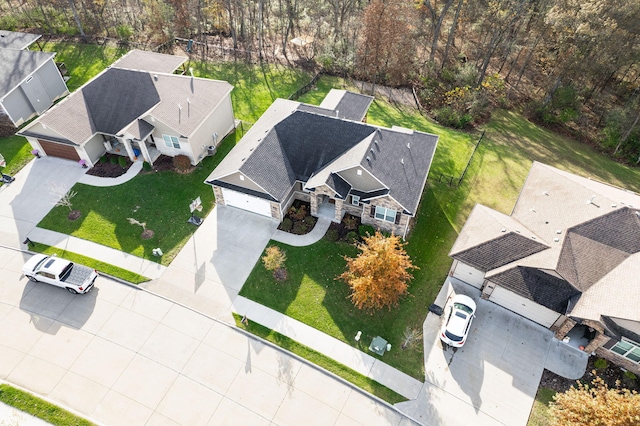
[{"x": 572, "y": 65}]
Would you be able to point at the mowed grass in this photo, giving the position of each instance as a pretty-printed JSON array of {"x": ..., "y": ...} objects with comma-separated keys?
[
  {"x": 16, "y": 152},
  {"x": 38, "y": 407},
  {"x": 323, "y": 361},
  {"x": 494, "y": 178},
  {"x": 540, "y": 411}
]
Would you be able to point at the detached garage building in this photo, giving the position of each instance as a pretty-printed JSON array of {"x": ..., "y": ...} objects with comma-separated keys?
[
  {"x": 29, "y": 80},
  {"x": 567, "y": 257}
]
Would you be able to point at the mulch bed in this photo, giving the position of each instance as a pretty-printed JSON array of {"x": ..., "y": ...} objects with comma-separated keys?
[
  {"x": 109, "y": 170},
  {"x": 609, "y": 375},
  {"x": 299, "y": 226},
  {"x": 349, "y": 223}
]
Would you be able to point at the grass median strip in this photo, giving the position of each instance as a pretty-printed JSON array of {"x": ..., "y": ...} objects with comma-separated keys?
[
  {"x": 323, "y": 361},
  {"x": 101, "y": 267},
  {"x": 40, "y": 408}
]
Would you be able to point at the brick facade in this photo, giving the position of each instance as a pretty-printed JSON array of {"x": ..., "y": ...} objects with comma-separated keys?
[
  {"x": 565, "y": 328},
  {"x": 398, "y": 229},
  {"x": 623, "y": 362}
]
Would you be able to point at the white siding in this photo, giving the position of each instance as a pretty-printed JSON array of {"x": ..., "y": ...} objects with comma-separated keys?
[
  {"x": 469, "y": 274},
  {"x": 523, "y": 306}
]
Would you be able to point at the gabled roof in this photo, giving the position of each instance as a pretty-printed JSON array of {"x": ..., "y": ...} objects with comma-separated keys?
[
  {"x": 339, "y": 185},
  {"x": 534, "y": 284},
  {"x": 139, "y": 129},
  {"x": 591, "y": 229},
  {"x": 17, "y": 65},
  {"x": 341, "y": 104},
  {"x": 17, "y": 40},
  {"x": 115, "y": 100},
  {"x": 142, "y": 60}
]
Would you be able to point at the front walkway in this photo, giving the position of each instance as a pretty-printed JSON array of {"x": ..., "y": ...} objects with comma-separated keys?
[
  {"x": 315, "y": 235},
  {"x": 102, "y": 181}
]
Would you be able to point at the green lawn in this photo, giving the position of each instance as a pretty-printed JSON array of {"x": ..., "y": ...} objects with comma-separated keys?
[
  {"x": 323, "y": 361},
  {"x": 495, "y": 177},
  {"x": 16, "y": 152},
  {"x": 37, "y": 407},
  {"x": 540, "y": 411}
]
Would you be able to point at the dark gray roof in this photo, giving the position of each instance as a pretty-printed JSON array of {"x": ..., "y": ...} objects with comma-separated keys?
[
  {"x": 544, "y": 289},
  {"x": 242, "y": 189},
  {"x": 341, "y": 186},
  {"x": 17, "y": 65},
  {"x": 623, "y": 328},
  {"x": 593, "y": 249},
  {"x": 364, "y": 196},
  {"x": 49, "y": 138},
  {"x": 142, "y": 60},
  {"x": 401, "y": 161},
  {"x": 16, "y": 40},
  {"x": 140, "y": 129},
  {"x": 499, "y": 251},
  {"x": 113, "y": 109},
  {"x": 352, "y": 106}
]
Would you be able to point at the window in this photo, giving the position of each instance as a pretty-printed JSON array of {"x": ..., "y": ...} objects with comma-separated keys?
[
  {"x": 171, "y": 141},
  {"x": 627, "y": 349},
  {"x": 355, "y": 200},
  {"x": 385, "y": 214}
]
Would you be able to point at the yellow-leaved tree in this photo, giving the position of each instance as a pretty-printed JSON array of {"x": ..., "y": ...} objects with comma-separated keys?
[
  {"x": 596, "y": 404},
  {"x": 378, "y": 276}
]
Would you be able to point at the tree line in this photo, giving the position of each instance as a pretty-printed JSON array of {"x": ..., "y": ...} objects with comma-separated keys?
[{"x": 572, "y": 64}]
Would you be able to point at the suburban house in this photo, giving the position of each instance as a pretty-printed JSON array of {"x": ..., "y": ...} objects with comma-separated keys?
[
  {"x": 328, "y": 156},
  {"x": 139, "y": 109},
  {"x": 567, "y": 257},
  {"x": 29, "y": 80}
]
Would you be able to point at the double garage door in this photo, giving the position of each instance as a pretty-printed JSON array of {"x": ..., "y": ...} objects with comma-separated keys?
[
  {"x": 469, "y": 274},
  {"x": 246, "y": 202},
  {"x": 59, "y": 150},
  {"x": 523, "y": 306}
]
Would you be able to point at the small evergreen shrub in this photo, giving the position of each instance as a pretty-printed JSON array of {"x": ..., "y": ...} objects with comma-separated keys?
[
  {"x": 366, "y": 230},
  {"x": 600, "y": 364},
  {"x": 286, "y": 224},
  {"x": 331, "y": 235},
  {"x": 103, "y": 159},
  {"x": 113, "y": 160},
  {"x": 352, "y": 237},
  {"x": 299, "y": 228},
  {"x": 122, "y": 161},
  {"x": 310, "y": 221},
  {"x": 146, "y": 166}
]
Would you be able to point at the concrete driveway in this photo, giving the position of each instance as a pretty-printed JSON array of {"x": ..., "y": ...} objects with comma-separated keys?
[
  {"x": 122, "y": 356},
  {"x": 494, "y": 377},
  {"x": 37, "y": 188},
  {"x": 212, "y": 267}
]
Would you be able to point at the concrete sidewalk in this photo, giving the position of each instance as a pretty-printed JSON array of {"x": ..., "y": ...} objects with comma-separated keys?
[
  {"x": 343, "y": 353},
  {"x": 103, "y": 182},
  {"x": 315, "y": 235},
  {"x": 96, "y": 251}
]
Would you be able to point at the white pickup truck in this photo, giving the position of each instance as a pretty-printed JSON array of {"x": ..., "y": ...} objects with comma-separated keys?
[{"x": 60, "y": 272}]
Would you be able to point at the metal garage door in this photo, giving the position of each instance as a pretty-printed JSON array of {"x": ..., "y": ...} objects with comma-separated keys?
[
  {"x": 246, "y": 202},
  {"x": 523, "y": 306},
  {"x": 59, "y": 150},
  {"x": 469, "y": 275}
]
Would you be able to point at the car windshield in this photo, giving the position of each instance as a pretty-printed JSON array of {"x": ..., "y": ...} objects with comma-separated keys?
[
  {"x": 452, "y": 336},
  {"x": 39, "y": 265},
  {"x": 464, "y": 308}
]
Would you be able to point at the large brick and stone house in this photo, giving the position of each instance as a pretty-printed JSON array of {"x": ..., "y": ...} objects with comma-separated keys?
[
  {"x": 326, "y": 155},
  {"x": 567, "y": 257}
]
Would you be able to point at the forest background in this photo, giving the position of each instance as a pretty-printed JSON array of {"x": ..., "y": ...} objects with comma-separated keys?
[{"x": 570, "y": 65}]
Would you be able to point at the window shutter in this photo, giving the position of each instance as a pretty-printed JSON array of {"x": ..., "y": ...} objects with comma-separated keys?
[
  {"x": 398, "y": 217},
  {"x": 373, "y": 211}
]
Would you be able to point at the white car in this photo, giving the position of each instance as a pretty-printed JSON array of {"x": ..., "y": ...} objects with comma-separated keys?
[
  {"x": 459, "y": 315},
  {"x": 75, "y": 278}
]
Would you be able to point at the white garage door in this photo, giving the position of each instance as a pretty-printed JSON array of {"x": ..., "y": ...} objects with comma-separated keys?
[
  {"x": 246, "y": 202},
  {"x": 523, "y": 306},
  {"x": 469, "y": 275}
]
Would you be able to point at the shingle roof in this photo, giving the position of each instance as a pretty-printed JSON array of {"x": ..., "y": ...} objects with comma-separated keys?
[
  {"x": 140, "y": 129},
  {"x": 623, "y": 327},
  {"x": 16, "y": 40},
  {"x": 17, "y": 65},
  {"x": 345, "y": 104},
  {"x": 545, "y": 289},
  {"x": 339, "y": 185},
  {"x": 143, "y": 60},
  {"x": 500, "y": 251}
]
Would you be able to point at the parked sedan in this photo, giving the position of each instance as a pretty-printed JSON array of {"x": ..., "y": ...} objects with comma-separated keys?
[{"x": 458, "y": 317}]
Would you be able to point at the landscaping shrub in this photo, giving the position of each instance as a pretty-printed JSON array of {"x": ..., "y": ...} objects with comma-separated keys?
[
  {"x": 600, "y": 364},
  {"x": 300, "y": 228},
  {"x": 350, "y": 222},
  {"x": 146, "y": 166},
  {"x": 366, "y": 230},
  {"x": 286, "y": 224},
  {"x": 181, "y": 163},
  {"x": 122, "y": 161},
  {"x": 113, "y": 159},
  {"x": 274, "y": 258},
  {"x": 310, "y": 221},
  {"x": 332, "y": 235},
  {"x": 447, "y": 116},
  {"x": 298, "y": 213},
  {"x": 103, "y": 159},
  {"x": 352, "y": 237}
]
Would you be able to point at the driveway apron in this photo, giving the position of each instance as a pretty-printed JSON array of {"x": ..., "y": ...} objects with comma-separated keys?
[
  {"x": 212, "y": 267},
  {"x": 36, "y": 190}
]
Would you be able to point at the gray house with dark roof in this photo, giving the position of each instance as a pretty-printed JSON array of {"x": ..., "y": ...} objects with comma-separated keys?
[
  {"x": 137, "y": 108},
  {"x": 29, "y": 80},
  {"x": 567, "y": 257},
  {"x": 327, "y": 156}
]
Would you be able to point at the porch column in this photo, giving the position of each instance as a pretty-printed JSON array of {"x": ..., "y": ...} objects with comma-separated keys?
[
  {"x": 565, "y": 328},
  {"x": 314, "y": 204},
  {"x": 338, "y": 213},
  {"x": 145, "y": 152},
  {"x": 598, "y": 341},
  {"x": 127, "y": 146}
]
